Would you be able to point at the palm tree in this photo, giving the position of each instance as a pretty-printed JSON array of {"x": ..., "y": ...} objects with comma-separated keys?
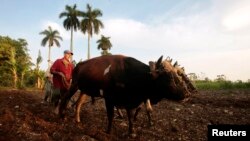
[
  {"x": 104, "y": 44},
  {"x": 71, "y": 21},
  {"x": 13, "y": 66},
  {"x": 51, "y": 37},
  {"x": 90, "y": 23},
  {"x": 39, "y": 60}
]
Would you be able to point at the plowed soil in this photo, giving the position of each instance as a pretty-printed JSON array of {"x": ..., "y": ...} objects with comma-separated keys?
[{"x": 25, "y": 117}]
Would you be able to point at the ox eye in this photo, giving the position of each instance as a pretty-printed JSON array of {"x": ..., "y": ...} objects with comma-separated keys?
[{"x": 161, "y": 68}]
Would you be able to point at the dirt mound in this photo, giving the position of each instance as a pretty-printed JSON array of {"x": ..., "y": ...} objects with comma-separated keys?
[{"x": 24, "y": 116}]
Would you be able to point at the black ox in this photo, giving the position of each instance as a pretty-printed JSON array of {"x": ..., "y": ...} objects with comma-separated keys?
[{"x": 125, "y": 83}]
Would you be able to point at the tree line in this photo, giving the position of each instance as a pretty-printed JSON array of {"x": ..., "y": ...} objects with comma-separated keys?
[
  {"x": 16, "y": 65},
  {"x": 220, "y": 82}
]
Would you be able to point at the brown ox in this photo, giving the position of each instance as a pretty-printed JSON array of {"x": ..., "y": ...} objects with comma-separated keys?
[{"x": 126, "y": 83}]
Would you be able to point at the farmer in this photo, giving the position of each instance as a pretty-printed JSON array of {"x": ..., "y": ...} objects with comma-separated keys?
[
  {"x": 48, "y": 87},
  {"x": 61, "y": 70}
]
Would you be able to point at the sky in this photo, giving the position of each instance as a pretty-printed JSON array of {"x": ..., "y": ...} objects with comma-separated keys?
[{"x": 207, "y": 37}]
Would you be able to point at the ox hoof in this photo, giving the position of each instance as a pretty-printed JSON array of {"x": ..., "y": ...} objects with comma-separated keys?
[
  {"x": 56, "y": 111},
  {"x": 150, "y": 124},
  {"x": 132, "y": 135},
  {"x": 64, "y": 118},
  {"x": 120, "y": 117},
  {"x": 108, "y": 131}
]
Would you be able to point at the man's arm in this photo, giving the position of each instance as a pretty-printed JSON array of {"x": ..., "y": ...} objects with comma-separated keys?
[{"x": 54, "y": 69}]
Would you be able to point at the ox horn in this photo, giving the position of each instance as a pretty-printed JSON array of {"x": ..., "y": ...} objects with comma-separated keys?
[
  {"x": 158, "y": 63},
  {"x": 160, "y": 59},
  {"x": 183, "y": 69},
  {"x": 175, "y": 64},
  {"x": 169, "y": 59}
]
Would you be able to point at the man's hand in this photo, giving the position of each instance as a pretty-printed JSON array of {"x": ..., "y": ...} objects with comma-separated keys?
[{"x": 61, "y": 74}]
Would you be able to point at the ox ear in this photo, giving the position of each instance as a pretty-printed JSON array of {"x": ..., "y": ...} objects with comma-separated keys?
[
  {"x": 152, "y": 66},
  {"x": 158, "y": 63}
]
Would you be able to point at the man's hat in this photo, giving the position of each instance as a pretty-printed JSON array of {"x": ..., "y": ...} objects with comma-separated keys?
[{"x": 68, "y": 52}]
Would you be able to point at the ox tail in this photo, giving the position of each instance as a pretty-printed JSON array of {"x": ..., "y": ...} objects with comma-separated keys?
[{"x": 65, "y": 99}]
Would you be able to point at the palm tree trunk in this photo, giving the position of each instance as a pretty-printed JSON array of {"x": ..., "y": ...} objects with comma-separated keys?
[
  {"x": 15, "y": 77},
  {"x": 37, "y": 82},
  {"x": 21, "y": 82},
  {"x": 49, "y": 56},
  {"x": 37, "y": 75},
  {"x": 88, "y": 46},
  {"x": 71, "y": 43},
  {"x": 71, "y": 40}
]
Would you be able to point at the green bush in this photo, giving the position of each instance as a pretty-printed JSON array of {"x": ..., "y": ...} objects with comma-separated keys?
[{"x": 217, "y": 85}]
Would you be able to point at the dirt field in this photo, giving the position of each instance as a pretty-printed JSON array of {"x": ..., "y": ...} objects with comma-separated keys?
[{"x": 23, "y": 116}]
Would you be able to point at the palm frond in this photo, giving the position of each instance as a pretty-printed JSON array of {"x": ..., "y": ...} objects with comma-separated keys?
[
  {"x": 84, "y": 25},
  {"x": 89, "y": 8},
  {"x": 44, "y": 41},
  {"x": 97, "y": 25},
  {"x": 63, "y": 14},
  {"x": 71, "y": 20},
  {"x": 50, "y": 35},
  {"x": 104, "y": 43},
  {"x": 97, "y": 13},
  {"x": 58, "y": 37},
  {"x": 57, "y": 43},
  {"x": 45, "y": 32}
]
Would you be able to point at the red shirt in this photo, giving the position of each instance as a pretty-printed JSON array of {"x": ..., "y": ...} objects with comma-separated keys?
[{"x": 66, "y": 67}]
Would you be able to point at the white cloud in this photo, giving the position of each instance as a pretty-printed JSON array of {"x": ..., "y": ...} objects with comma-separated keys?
[
  {"x": 213, "y": 40},
  {"x": 55, "y": 26},
  {"x": 63, "y": 32},
  {"x": 126, "y": 31},
  {"x": 202, "y": 42},
  {"x": 182, "y": 35},
  {"x": 237, "y": 19},
  {"x": 233, "y": 64},
  {"x": 234, "y": 14}
]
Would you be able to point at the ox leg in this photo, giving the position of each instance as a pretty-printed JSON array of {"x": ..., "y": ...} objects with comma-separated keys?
[
  {"x": 131, "y": 126},
  {"x": 150, "y": 122},
  {"x": 79, "y": 103},
  {"x": 110, "y": 114},
  {"x": 149, "y": 110},
  {"x": 46, "y": 98},
  {"x": 138, "y": 109},
  {"x": 65, "y": 99},
  {"x": 50, "y": 95},
  {"x": 119, "y": 111}
]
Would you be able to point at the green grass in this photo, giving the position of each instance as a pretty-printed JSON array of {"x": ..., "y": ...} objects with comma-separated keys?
[
  {"x": 217, "y": 85},
  {"x": 200, "y": 85}
]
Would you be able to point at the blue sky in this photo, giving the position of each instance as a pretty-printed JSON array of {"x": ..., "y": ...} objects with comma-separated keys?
[{"x": 207, "y": 37}]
